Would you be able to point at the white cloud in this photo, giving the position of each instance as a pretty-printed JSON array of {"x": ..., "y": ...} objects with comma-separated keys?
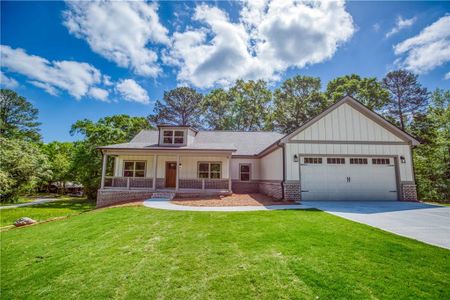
[
  {"x": 401, "y": 24},
  {"x": 447, "y": 76},
  {"x": 376, "y": 27},
  {"x": 119, "y": 31},
  {"x": 132, "y": 91},
  {"x": 8, "y": 82},
  {"x": 98, "y": 93},
  {"x": 269, "y": 37},
  {"x": 76, "y": 78},
  {"x": 427, "y": 50}
]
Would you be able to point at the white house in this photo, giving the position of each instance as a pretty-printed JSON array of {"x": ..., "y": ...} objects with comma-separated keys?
[{"x": 347, "y": 152}]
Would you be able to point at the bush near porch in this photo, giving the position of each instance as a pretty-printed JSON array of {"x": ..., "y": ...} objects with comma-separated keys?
[{"x": 141, "y": 253}]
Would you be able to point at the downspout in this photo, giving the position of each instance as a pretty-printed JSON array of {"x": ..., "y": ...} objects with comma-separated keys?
[{"x": 284, "y": 172}]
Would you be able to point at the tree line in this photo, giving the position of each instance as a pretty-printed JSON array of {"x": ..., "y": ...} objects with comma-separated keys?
[{"x": 27, "y": 164}]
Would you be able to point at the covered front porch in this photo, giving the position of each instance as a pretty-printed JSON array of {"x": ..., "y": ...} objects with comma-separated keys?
[{"x": 148, "y": 171}]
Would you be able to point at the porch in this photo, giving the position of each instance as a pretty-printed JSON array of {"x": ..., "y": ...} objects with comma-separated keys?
[{"x": 180, "y": 173}]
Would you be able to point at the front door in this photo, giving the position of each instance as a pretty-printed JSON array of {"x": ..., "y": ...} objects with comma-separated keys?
[{"x": 171, "y": 174}]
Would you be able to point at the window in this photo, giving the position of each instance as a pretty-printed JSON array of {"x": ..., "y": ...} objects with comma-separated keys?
[
  {"x": 312, "y": 160},
  {"x": 244, "y": 172},
  {"x": 358, "y": 161},
  {"x": 335, "y": 160},
  {"x": 381, "y": 161},
  {"x": 209, "y": 170},
  {"x": 134, "y": 169},
  {"x": 173, "y": 137}
]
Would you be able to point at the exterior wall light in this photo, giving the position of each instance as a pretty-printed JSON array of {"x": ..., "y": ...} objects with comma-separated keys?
[
  {"x": 402, "y": 159},
  {"x": 295, "y": 158}
]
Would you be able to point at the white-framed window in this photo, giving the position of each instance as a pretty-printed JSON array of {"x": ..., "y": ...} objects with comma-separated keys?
[
  {"x": 173, "y": 137},
  {"x": 358, "y": 161},
  {"x": 312, "y": 160},
  {"x": 381, "y": 161},
  {"x": 245, "y": 172},
  {"x": 335, "y": 160},
  {"x": 134, "y": 168},
  {"x": 209, "y": 170}
]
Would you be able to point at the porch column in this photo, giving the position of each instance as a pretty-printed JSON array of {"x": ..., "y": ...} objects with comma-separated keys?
[
  {"x": 229, "y": 173},
  {"x": 178, "y": 171},
  {"x": 155, "y": 166},
  {"x": 105, "y": 157}
]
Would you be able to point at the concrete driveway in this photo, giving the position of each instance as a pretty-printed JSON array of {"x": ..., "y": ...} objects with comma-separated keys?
[{"x": 424, "y": 222}]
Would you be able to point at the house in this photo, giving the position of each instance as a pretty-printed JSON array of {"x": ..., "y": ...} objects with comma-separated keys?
[{"x": 347, "y": 152}]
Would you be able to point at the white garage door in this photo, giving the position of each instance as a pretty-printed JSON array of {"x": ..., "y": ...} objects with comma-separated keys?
[{"x": 348, "y": 179}]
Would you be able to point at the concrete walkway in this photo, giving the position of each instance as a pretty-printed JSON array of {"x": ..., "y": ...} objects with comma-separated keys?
[
  {"x": 36, "y": 202},
  {"x": 167, "y": 205},
  {"x": 424, "y": 222}
]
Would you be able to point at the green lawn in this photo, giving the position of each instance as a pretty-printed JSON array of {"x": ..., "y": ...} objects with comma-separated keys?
[
  {"x": 31, "y": 198},
  {"x": 46, "y": 211},
  {"x": 142, "y": 253}
]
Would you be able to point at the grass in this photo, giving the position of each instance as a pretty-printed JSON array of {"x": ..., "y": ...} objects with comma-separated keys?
[
  {"x": 46, "y": 211},
  {"x": 31, "y": 198},
  {"x": 142, "y": 253},
  {"x": 438, "y": 203}
]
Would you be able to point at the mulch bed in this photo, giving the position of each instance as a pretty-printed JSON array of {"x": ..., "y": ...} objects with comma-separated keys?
[{"x": 233, "y": 200}]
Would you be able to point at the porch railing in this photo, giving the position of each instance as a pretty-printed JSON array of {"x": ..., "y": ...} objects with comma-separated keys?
[
  {"x": 203, "y": 184},
  {"x": 128, "y": 182}
]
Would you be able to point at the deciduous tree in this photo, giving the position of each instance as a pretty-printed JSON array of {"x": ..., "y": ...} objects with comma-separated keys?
[
  {"x": 18, "y": 117},
  {"x": 368, "y": 91},
  {"x": 297, "y": 100}
]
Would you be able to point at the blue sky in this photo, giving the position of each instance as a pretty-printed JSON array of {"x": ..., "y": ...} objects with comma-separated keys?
[{"x": 89, "y": 60}]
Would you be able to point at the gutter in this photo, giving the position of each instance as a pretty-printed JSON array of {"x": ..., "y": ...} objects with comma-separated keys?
[{"x": 284, "y": 170}]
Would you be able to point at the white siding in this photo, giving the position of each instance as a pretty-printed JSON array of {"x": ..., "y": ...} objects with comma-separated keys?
[
  {"x": 188, "y": 168},
  {"x": 118, "y": 168},
  {"x": 271, "y": 166},
  {"x": 292, "y": 172},
  {"x": 346, "y": 124},
  {"x": 254, "y": 169}
]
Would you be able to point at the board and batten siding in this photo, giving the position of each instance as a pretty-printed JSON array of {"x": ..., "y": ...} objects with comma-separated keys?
[
  {"x": 345, "y": 123},
  {"x": 118, "y": 167},
  {"x": 271, "y": 166}
]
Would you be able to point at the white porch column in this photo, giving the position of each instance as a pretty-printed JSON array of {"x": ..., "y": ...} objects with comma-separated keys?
[
  {"x": 105, "y": 157},
  {"x": 177, "y": 173},
  {"x": 155, "y": 167},
  {"x": 229, "y": 173}
]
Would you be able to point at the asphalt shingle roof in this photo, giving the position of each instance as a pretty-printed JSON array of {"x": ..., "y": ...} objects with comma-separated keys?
[{"x": 243, "y": 142}]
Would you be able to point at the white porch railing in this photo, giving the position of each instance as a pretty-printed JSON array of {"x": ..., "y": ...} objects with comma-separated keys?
[
  {"x": 203, "y": 184},
  {"x": 112, "y": 182}
]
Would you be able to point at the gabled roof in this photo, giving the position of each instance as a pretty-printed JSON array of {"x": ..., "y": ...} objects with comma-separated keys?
[{"x": 362, "y": 109}]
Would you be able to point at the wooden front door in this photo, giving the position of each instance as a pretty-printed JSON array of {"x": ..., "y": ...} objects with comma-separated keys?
[{"x": 171, "y": 173}]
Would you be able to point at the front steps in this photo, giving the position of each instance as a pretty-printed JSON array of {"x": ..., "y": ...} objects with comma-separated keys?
[{"x": 166, "y": 196}]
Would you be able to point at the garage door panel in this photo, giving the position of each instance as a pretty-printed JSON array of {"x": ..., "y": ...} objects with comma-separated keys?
[{"x": 348, "y": 182}]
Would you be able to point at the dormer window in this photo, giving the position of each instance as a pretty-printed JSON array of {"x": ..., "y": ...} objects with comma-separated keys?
[{"x": 173, "y": 137}]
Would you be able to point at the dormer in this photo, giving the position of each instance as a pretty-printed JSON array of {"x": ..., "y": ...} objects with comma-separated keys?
[{"x": 176, "y": 135}]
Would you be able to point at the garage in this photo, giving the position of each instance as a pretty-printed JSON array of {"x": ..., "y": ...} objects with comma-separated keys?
[{"x": 355, "y": 178}]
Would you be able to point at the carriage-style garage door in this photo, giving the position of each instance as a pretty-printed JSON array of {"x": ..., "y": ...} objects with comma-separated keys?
[{"x": 348, "y": 179}]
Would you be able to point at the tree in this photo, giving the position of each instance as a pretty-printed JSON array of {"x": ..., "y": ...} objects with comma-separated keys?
[
  {"x": 245, "y": 106},
  {"x": 60, "y": 162},
  {"x": 217, "y": 110},
  {"x": 297, "y": 100},
  {"x": 18, "y": 117},
  {"x": 432, "y": 157},
  {"x": 22, "y": 166},
  {"x": 406, "y": 96},
  {"x": 181, "y": 106},
  {"x": 87, "y": 159},
  {"x": 366, "y": 90}
]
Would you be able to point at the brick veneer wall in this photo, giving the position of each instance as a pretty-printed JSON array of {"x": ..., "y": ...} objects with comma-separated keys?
[
  {"x": 292, "y": 191},
  {"x": 409, "y": 192},
  {"x": 105, "y": 198},
  {"x": 244, "y": 187},
  {"x": 271, "y": 188}
]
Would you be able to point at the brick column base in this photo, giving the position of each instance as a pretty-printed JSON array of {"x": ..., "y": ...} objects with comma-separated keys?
[
  {"x": 409, "y": 192},
  {"x": 272, "y": 189},
  {"x": 292, "y": 191}
]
